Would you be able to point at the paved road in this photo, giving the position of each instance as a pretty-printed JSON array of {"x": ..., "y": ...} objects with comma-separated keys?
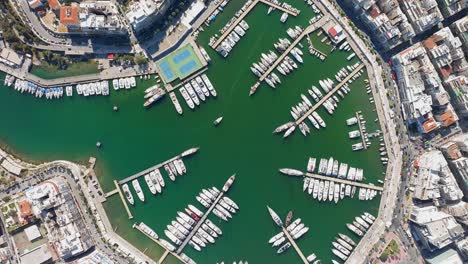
[{"x": 36, "y": 25}]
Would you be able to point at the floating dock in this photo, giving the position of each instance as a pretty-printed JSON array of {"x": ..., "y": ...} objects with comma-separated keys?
[
  {"x": 363, "y": 137},
  {"x": 328, "y": 95},
  {"x": 295, "y": 246},
  {"x": 244, "y": 14},
  {"x": 348, "y": 182},
  {"x": 157, "y": 166}
]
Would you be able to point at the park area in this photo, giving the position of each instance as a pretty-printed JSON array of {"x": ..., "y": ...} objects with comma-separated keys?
[{"x": 179, "y": 64}]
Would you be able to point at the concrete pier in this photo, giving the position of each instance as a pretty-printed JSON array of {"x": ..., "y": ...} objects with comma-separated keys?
[
  {"x": 108, "y": 194},
  {"x": 244, "y": 14},
  {"x": 328, "y": 95},
  {"x": 199, "y": 223},
  {"x": 344, "y": 181},
  {"x": 311, "y": 28},
  {"x": 144, "y": 172},
  {"x": 124, "y": 201},
  {"x": 295, "y": 246}
]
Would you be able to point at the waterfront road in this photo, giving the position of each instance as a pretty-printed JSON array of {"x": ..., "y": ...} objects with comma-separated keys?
[{"x": 392, "y": 180}]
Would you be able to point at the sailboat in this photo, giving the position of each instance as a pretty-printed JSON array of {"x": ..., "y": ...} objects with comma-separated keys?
[{"x": 275, "y": 217}]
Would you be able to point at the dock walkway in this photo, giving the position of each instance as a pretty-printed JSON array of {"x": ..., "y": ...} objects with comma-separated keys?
[
  {"x": 108, "y": 194},
  {"x": 348, "y": 182},
  {"x": 363, "y": 138},
  {"x": 144, "y": 172},
  {"x": 311, "y": 28},
  {"x": 166, "y": 252},
  {"x": 244, "y": 14},
  {"x": 328, "y": 95},
  {"x": 199, "y": 223},
  {"x": 124, "y": 201},
  {"x": 295, "y": 246}
]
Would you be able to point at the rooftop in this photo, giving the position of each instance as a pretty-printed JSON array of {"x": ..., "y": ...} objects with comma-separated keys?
[{"x": 69, "y": 15}]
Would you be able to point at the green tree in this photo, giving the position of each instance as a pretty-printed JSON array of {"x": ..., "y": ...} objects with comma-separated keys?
[{"x": 139, "y": 59}]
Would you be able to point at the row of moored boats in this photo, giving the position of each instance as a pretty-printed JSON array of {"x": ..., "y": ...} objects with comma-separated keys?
[
  {"x": 84, "y": 89},
  {"x": 343, "y": 244},
  {"x": 295, "y": 230},
  {"x": 193, "y": 224},
  {"x": 153, "y": 94},
  {"x": 285, "y": 67},
  {"x": 151, "y": 233},
  {"x": 303, "y": 108},
  {"x": 154, "y": 180},
  {"x": 196, "y": 90},
  {"x": 324, "y": 190}
]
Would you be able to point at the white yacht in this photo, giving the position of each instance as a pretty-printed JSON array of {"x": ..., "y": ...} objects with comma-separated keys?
[
  {"x": 138, "y": 190},
  {"x": 128, "y": 194},
  {"x": 150, "y": 184}
]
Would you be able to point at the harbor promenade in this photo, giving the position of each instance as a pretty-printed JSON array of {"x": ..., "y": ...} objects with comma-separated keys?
[
  {"x": 295, "y": 246},
  {"x": 109, "y": 74},
  {"x": 328, "y": 95},
  {"x": 393, "y": 177},
  {"x": 311, "y": 28},
  {"x": 244, "y": 14}
]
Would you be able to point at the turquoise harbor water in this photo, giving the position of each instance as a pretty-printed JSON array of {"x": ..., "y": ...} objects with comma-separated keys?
[{"x": 135, "y": 138}]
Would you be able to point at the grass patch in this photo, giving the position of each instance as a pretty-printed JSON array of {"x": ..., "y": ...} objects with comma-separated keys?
[
  {"x": 47, "y": 71},
  {"x": 390, "y": 251}
]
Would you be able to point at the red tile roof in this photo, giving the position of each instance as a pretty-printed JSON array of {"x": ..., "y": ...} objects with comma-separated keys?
[
  {"x": 69, "y": 15},
  {"x": 429, "y": 125},
  {"x": 25, "y": 209},
  {"x": 448, "y": 118},
  {"x": 374, "y": 11},
  {"x": 429, "y": 43},
  {"x": 332, "y": 32},
  {"x": 54, "y": 4}
]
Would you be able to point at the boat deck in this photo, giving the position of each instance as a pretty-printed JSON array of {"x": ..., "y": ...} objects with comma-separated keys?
[
  {"x": 328, "y": 95},
  {"x": 311, "y": 28},
  {"x": 244, "y": 14},
  {"x": 199, "y": 223},
  {"x": 295, "y": 246}
]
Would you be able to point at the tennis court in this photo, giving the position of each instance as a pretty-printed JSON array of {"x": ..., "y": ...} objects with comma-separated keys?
[{"x": 179, "y": 64}]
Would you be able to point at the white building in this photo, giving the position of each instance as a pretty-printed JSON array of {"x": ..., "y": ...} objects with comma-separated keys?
[
  {"x": 434, "y": 180},
  {"x": 385, "y": 20},
  {"x": 433, "y": 228},
  {"x": 422, "y": 14},
  {"x": 53, "y": 202},
  {"x": 142, "y": 14}
]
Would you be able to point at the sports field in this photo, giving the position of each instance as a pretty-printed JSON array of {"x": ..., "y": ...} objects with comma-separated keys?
[{"x": 179, "y": 64}]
